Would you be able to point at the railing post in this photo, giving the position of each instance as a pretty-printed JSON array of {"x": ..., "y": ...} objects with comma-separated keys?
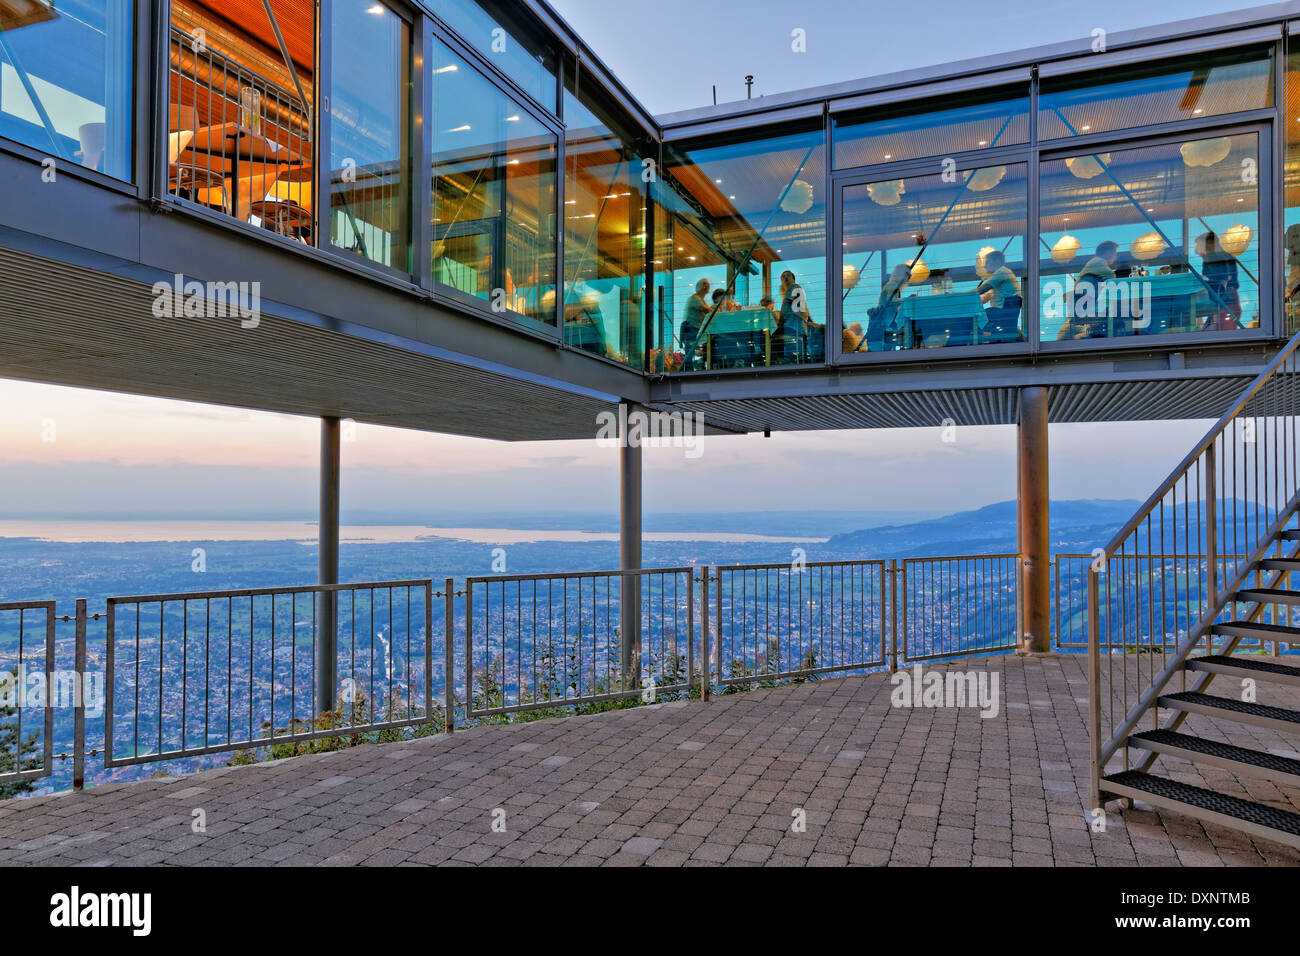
[
  {"x": 704, "y": 632},
  {"x": 1212, "y": 521},
  {"x": 449, "y": 655},
  {"x": 328, "y": 568},
  {"x": 1094, "y": 689},
  {"x": 79, "y": 702},
  {"x": 893, "y": 615},
  {"x": 690, "y": 634}
]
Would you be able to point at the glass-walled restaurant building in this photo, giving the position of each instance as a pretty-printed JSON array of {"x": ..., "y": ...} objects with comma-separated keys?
[{"x": 1073, "y": 199}]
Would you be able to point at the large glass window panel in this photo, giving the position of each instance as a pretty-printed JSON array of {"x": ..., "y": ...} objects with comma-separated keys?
[
  {"x": 934, "y": 261},
  {"x": 1193, "y": 87},
  {"x": 494, "y": 176},
  {"x": 65, "y": 80},
  {"x": 931, "y": 128},
  {"x": 493, "y": 28},
  {"x": 605, "y": 210},
  {"x": 1150, "y": 240},
  {"x": 741, "y": 251},
  {"x": 370, "y": 121},
  {"x": 240, "y": 131}
]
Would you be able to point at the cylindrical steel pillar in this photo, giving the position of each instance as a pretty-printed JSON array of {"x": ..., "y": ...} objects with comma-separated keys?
[
  {"x": 328, "y": 567},
  {"x": 629, "y": 555},
  {"x": 1032, "y": 505}
]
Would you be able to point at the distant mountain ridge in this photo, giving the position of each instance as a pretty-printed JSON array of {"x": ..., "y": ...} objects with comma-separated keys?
[{"x": 1077, "y": 525}]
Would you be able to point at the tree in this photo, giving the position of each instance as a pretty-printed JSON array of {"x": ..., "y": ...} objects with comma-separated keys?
[{"x": 16, "y": 753}]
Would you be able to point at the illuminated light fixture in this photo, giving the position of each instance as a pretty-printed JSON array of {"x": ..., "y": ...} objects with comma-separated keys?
[
  {"x": 460, "y": 129},
  {"x": 1147, "y": 246},
  {"x": 887, "y": 193},
  {"x": 1066, "y": 248},
  {"x": 1084, "y": 128},
  {"x": 981, "y": 269},
  {"x": 570, "y": 202},
  {"x": 984, "y": 142},
  {"x": 449, "y": 68},
  {"x": 851, "y": 277},
  {"x": 718, "y": 181},
  {"x": 377, "y": 10},
  {"x": 514, "y": 162},
  {"x": 513, "y": 119},
  {"x": 1206, "y": 152},
  {"x": 1236, "y": 239},
  {"x": 920, "y": 271},
  {"x": 982, "y": 180},
  {"x": 798, "y": 198},
  {"x": 889, "y": 156},
  {"x": 1087, "y": 167}
]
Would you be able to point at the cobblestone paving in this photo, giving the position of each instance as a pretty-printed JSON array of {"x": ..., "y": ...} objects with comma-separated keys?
[{"x": 678, "y": 784}]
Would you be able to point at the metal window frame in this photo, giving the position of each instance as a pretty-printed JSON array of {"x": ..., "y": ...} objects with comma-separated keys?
[
  {"x": 1269, "y": 325},
  {"x": 862, "y": 175},
  {"x": 437, "y": 32}
]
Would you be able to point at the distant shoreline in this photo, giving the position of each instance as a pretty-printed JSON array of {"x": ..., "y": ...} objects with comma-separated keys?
[{"x": 70, "y": 531}]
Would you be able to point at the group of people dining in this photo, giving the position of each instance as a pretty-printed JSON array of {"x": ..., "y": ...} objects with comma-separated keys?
[{"x": 793, "y": 335}]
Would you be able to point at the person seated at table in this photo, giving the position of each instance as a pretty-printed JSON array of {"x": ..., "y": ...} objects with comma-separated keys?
[
  {"x": 693, "y": 321},
  {"x": 1001, "y": 293},
  {"x": 1219, "y": 269},
  {"x": 882, "y": 319},
  {"x": 1086, "y": 319}
]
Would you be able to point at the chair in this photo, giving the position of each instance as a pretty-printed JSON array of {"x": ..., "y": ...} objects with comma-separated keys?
[
  {"x": 185, "y": 176},
  {"x": 91, "y": 136},
  {"x": 1003, "y": 324}
]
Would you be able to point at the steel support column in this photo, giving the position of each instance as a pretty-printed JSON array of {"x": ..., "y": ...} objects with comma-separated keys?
[
  {"x": 328, "y": 567},
  {"x": 629, "y": 554},
  {"x": 1032, "y": 521}
]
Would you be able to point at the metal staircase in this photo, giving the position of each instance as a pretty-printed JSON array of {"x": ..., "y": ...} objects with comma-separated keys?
[{"x": 1182, "y": 604}]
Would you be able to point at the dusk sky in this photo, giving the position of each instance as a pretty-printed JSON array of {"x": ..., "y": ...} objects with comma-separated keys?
[{"x": 70, "y": 451}]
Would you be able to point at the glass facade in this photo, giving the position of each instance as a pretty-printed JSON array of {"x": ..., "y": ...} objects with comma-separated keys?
[
  {"x": 892, "y": 134},
  {"x": 1149, "y": 240},
  {"x": 934, "y": 260},
  {"x": 1132, "y": 97},
  {"x": 66, "y": 81},
  {"x": 1061, "y": 212},
  {"x": 605, "y": 214},
  {"x": 740, "y": 255},
  {"x": 370, "y": 132},
  {"x": 494, "y": 29},
  {"x": 494, "y": 178},
  {"x": 240, "y": 132}
]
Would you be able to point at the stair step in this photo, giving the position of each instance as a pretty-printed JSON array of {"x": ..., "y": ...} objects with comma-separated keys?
[
  {"x": 1257, "y": 819},
  {"x": 1278, "y": 564},
  {"x": 1290, "y": 534},
  {"x": 1267, "y": 596},
  {"x": 1261, "y": 715},
  {"x": 1246, "y": 667},
  {"x": 1257, "y": 630},
  {"x": 1202, "y": 751}
]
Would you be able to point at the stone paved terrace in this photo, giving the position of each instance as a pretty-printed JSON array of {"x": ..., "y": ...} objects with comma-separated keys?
[{"x": 676, "y": 784}]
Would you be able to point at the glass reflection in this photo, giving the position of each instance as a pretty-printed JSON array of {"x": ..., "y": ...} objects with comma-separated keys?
[
  {"x": 740, "y": 253},
  {"x": 494, "y": 175},
  {"x": 1151, "y": 240},
  {"x": 934, "y": 261}
]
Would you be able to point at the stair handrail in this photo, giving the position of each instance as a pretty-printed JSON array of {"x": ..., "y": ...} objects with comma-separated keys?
[{"x": 1102, "y": 751}]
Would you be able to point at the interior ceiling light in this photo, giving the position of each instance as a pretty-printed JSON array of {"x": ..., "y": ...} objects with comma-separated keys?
[
  {"x": 1087, "y": 167},
  {"x": 1147, "y": 246},
  {"x": 851, "y": 277},
  {"x": 1066, "y": 248},
  {"x": 982, "y": 180},
  {"x": 1206, "y": 152},
  {"x": 888, "y": 193},
  {"x": 799, "y": 198},
  {"x": 920, "y": 271},
  {"x": 1236, "y": 239}
]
